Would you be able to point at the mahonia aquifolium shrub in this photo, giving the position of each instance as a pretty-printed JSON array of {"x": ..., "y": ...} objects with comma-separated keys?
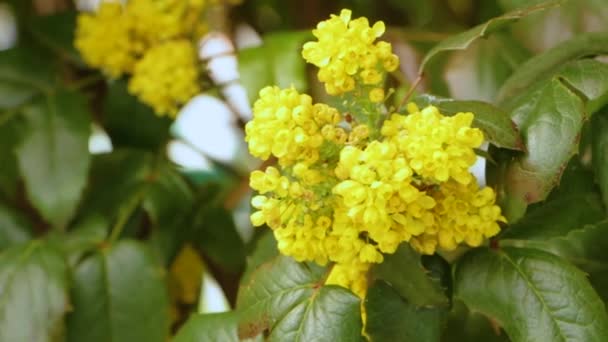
[
  {"x": 151, "y": 40},
  {"x": 347, "y": 191}
]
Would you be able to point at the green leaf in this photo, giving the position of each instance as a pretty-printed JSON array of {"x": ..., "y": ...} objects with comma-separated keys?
[
  {"x": 56, "y": 31},
  {"x": 495, "y": 123},
  {"x": 54, "y": 156},
  {"x": 556, "y": 218},
  {"x": 130, "y": 123},
  {"x": 115, "y": 179},
  {"x": 210, "y": 327},
  {"x": 463, "y": 40},
  {"x": 34, "y": 299},
  {"x": 534, "y": 295},
  {"x": 86, "y": 236},
  {"x": 391, "y": 318},
  {"x": 14, "y": 227},
  {"x": 265, "y": 249},
  {"x": 23, "y": 75},
  {"x": 405, "y": 272},
  {"x": 169, "y": 203},
  {"x": 216, "y": 236},
  {"x": 466, "y": 325},
  {"x": 550, "y": 120},
  {"x": 287, "y": 299},
  {"x": 590, "y": 78},
  {"x": 543, "y": 65},
  {"x": 9, "y": 176},
  {"x": 277, "y": 62},
  {"x": 599, "y": 147},
  {"x": 478, "y": 72},
  {"x": 119, "y": 295}
]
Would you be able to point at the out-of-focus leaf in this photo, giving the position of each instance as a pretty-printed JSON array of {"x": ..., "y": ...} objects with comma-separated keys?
[
  {"x": 559, "y": 304},
  {"x": 22, "y": 76},
  {"x": 14, "y": 227},
  {"x": 391, "y": 318},
  {"x": 544, "y": 65},
  {"x": 463, "y": 40},
  {"x": 287, "y": 299},
  {"x": 9, "y": 173},
  {"x": 599, "y": 146},
  {"x": 130, "y": 123},
  {"x": 53, "y": 155},
  {"x": 494, "y": 122},
  {"x": 478, "y": 72},
  {"x": 57, "y": 32},
  {"x": 119, "y": 294},
  {"x": 277, "y": 62},
  {"x": 34, "y": 296},
  {"x": 83, "y": 238},
  {"x": 468, "y": 326},
  {"x": 114, "y": 179},
  {"x": 405, "y": 272},
  {"x": 216, "y": 236},
  {"x": 169, "y": 203}
]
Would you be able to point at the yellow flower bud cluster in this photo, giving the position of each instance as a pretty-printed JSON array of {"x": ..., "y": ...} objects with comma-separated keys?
[
  {"x": 348, "y": 191},
  {"x": 346, "y": 54},
  {"x": 131, "y": 39}
]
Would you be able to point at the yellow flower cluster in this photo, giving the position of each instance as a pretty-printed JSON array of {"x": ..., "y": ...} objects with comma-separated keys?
[
  {"x": 166, "y": 77},
  {"x": 130, "y": 39},
  {"x": 346, "y": 54},
  {"x": 348, "y": 190}
]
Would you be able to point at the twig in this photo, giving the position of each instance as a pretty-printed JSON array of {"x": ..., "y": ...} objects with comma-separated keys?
[{"x": 410, "y": 92}]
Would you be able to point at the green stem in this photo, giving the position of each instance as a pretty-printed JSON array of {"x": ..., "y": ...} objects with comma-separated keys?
[{"x": 125, "y": 213}]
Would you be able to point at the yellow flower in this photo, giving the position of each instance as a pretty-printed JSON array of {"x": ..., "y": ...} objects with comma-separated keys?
[
  {"x": 289, "y": 126},
  {"x": 348, "y": 192},
  {"x": 438, "y": 147},
  {"x": 346, "y": 53},
  {"x": 104, "y": 40},
  {"x": 166, "y": 77}
]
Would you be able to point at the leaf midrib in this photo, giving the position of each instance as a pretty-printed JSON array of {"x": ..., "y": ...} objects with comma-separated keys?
[{"x": 544, "y": 304}]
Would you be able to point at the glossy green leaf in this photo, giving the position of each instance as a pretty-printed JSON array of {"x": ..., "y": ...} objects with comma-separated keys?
[
  {"x": 34, "y": 296},
  {"x": 14, "y": 227},
  {"x": 130, "y": 123},
  {"x": 533, "y": 295},
  {"x": 54, "y": 155},
  {"x": 599, "y": 146},
  {"x": 23, "y": 75},
  {"x": 543, "y": 65},
  {"x": 56, "y": 32},
  {"x": 391, "y": 318},
  {"x": 288, "y": 300},
  {"x": 550, "y": 120},
  {"x": 495, "y": 123},
  {"x": 463, "y": 40},
  {"x": 85, "y": 237},
  {"x": 277, "y": 62},
  {"x": 119, "y": 294},
  {"x": 405, "y": 272},
  {"x": 210, "y": 327}
]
